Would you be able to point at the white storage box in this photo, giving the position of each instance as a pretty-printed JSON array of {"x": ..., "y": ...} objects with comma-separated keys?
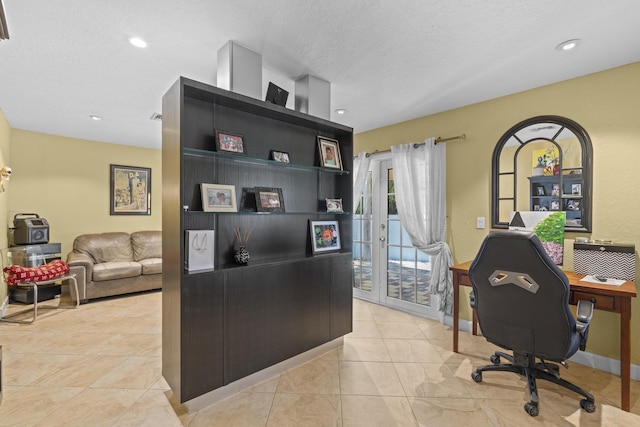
[{"x": 612, "y": 260}]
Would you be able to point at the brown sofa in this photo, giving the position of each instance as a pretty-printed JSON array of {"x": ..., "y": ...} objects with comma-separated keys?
[{"x": 116, "y": 263}]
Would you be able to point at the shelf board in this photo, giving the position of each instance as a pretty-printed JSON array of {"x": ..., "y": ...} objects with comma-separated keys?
[
  {"x": 268, "y": 213},
  {"x": 256, "y": 161}
]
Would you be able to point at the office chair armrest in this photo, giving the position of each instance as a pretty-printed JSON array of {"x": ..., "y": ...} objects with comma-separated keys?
[
  {"x": 584, "y": 312},
  {"x": 472, "y": 299}
]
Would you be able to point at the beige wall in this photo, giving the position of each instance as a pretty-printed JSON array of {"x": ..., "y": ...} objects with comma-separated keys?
[
  {"x": 606, "y": 104},
  {"x": 5, "y": 158},
  {"x": 66, "y": 181}
]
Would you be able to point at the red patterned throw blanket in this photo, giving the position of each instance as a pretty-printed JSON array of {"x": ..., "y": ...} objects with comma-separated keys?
[{"x": 17, "y": 274}]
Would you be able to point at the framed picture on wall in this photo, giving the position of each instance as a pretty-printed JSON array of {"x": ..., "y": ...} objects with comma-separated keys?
[{"x": 130, "y": 189}]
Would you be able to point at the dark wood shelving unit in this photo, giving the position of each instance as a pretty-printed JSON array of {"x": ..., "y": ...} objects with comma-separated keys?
[
  {"x": 223, "y": 325},
  {"x": 557, "y": 193}
]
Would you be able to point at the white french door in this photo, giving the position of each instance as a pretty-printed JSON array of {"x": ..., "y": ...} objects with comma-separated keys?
[{"x": 387, "y": 269}]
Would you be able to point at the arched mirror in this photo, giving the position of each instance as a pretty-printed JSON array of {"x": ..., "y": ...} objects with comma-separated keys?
[{"x": 543, "y": 163}]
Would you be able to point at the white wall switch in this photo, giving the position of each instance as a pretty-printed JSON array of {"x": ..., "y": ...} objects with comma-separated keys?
[{"x": 480, "y": 222}]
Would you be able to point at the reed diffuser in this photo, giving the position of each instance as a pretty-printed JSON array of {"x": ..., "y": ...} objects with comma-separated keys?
[{"x": 242, "y": 256}]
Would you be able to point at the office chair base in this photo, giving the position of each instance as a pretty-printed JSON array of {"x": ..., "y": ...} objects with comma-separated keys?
[{"x": 532, "y": 371}]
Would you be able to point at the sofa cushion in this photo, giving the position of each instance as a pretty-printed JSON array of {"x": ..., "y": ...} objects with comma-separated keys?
[
  {"x": 146, "y": 244},
  {"x": 151, "y": 265},
  {"x": 116, "y": 270},
  {"x": 105, "y": 247}
]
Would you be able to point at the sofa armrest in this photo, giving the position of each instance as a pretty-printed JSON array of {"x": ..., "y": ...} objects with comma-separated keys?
[{"x": 78, "y": 259}]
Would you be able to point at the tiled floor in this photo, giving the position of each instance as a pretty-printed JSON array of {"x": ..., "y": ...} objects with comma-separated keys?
[{"x": 100, "y": 365}]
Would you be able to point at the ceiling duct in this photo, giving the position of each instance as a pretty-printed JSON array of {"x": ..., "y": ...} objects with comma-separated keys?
[
  {"x": 4, "y": 29},
  {"x": 240, "y": 70},
  {"x": 313, "y": 96}
]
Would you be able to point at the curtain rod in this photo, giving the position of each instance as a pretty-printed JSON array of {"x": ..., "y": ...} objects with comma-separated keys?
[{"x": 416, "y": 145}]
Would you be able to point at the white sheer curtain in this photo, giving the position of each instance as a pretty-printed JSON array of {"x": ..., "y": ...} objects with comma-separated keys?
[
  {"x": 360, "y": 168},
  {"x": 420, "y": 186}
]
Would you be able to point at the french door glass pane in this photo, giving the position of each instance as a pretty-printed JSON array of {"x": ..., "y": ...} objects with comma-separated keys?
[
  {"x": 362, "y": 240},
  {"x": 408, "y": 269}
]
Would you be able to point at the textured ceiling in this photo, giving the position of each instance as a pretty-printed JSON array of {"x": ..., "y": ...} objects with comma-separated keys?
[{"x": 387, "y": 61}]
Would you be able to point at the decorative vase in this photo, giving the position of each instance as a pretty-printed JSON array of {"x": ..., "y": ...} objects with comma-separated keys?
[{"x": 241, "y": 256}]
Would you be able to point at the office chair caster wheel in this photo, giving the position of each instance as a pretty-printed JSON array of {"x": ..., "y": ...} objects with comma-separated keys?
[
  {"x": 588, "y": 406},
  {"x": 531, "y": 409},
  {"x": 476, "y": 376},
  {"x": 495, "y": 359}
]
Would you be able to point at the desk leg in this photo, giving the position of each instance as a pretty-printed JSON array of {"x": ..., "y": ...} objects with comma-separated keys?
[
  {"x": 474, "y": 327},
  {"x": 625, "y": 352},
  {"x": 456, "y": 309}
]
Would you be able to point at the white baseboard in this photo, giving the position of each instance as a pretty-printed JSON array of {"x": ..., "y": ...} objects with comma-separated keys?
[{"x": 601, "y": 363}]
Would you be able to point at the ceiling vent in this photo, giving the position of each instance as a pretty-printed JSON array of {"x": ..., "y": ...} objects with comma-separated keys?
[
  {"x": 4, "y": 30},
  {"x": 156, "y": 116}
]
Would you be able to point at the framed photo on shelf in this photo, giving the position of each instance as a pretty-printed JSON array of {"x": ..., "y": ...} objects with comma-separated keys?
[
  {"x": 576, "y": 189},
  {"x": 539, "y": 190},
  {"x": 325, "y": 236},
  {"x": 130, "y": 190},
  {"x": 334, "y": 205},
  {"x": 329, "y": 150},
  {"x": 227, "y": 142},
  {"x": 572, "y": 205},
  {"x": 555, "y": 190},
  {"x": 269, "y": 199},
  {"x": 279, "y": 156},
  {"x": 555, "y": 205},
  {"x": 218, "y": 198}
]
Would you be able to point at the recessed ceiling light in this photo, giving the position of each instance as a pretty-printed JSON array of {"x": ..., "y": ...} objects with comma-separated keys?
[
  {"x": 97, "y": 118},
  {"x": 568, "y": 45},
  {"x": 137, "y": 42},
  {"x": 341, "y": 111}
]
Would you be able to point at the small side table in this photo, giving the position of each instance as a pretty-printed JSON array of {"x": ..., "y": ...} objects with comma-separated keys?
[{"x": 36, "y": 306}]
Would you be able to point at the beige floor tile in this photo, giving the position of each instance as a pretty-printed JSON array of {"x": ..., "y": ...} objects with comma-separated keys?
[
  {"x": 364, "y": 350},
  {"x": 400, "y": 329},
  {"x": 25, "y": 369},
  {"x": 81, "y": 371},
  {"x": 240, "y": 410},
  {"x": 433, "y": 329},
  {"x": 266, "y": 386},
  {"x": 449, "y": 412},
  {"x": 25, "y": 406},
  {"x": 430, "y": 380},
  {"x": 412, "y": 351},
  {"x": 154, "y": 409},
  {"x": 369, "y": 379},
  {"x": 511, "y": 413},
  {"x": 295, "y": 410},
  {"x": 383, "y": 411},
  {"x": 386, "y": 314},
  {"x": 365, "y": 329},
  {"x": 92, "y": 407},
  {"x": 318, "y": 376},
  {"x": 135, "y": 372},
  {"x": 129, "y": 345}
]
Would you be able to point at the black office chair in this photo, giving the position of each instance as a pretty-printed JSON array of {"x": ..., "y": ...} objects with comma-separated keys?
[{"x": 521, "y": 300}]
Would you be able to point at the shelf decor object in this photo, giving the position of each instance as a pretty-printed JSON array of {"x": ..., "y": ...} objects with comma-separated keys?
[
  {"x": 230, "y": 143},
  {"x": 218, "y": 198},
  {"x": 334, "y": 205},
  {"x": 329, "y": 151},
  {"x": 325, "y": 236},
  {"x": 279, "y": 156},
  {"x": 269, "y": 199},
  {"x": 242, "y": 255}
]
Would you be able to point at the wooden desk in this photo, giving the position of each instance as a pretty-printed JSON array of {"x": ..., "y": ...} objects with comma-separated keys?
[{"x": 607, "y": 297}]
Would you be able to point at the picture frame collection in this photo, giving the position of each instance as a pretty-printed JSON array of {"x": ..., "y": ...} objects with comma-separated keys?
[{"x": 221, "y": 198}]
